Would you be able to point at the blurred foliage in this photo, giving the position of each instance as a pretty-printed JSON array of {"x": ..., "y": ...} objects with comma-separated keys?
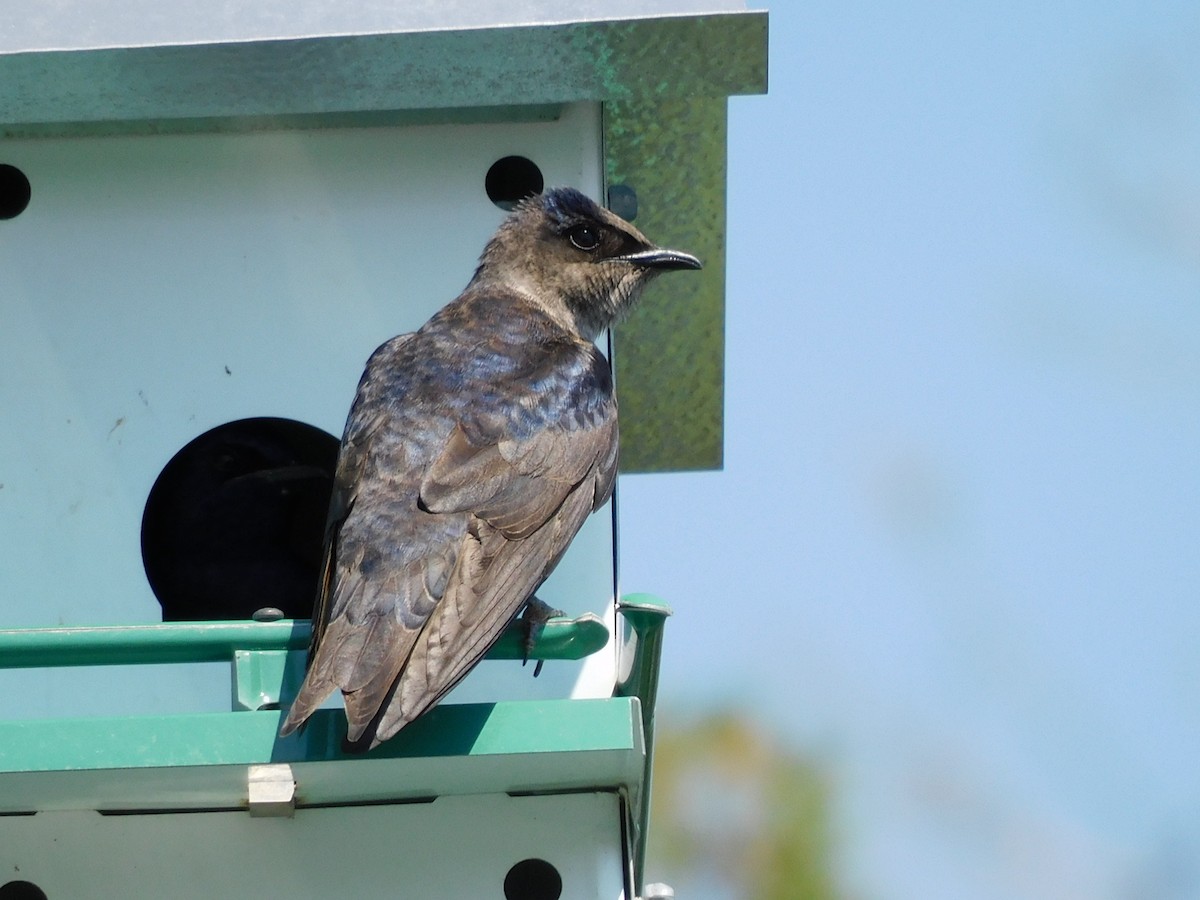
[{"x": 734, "y": 807}]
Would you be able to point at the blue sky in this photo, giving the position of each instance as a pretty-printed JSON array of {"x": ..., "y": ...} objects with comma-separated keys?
[{"x": 953, "y": 551}]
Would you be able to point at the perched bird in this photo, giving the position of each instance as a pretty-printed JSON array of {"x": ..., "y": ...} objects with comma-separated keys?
[{"x": 475, "y": 449}]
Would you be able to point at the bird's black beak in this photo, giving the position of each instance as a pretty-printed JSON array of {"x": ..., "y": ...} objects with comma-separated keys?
[{"x": 658, "y": 258}]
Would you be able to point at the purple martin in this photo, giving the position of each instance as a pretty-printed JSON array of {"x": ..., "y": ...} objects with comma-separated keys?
[{"x": 475, "y": 449}]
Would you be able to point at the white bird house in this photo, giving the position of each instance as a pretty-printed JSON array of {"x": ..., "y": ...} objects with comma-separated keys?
[{"x": 210, "y": 215}]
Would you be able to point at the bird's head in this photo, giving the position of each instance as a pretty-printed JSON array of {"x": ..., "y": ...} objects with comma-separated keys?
[{"x": 576, "y": 259}]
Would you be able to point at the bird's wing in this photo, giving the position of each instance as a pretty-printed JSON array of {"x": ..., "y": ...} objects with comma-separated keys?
[
  {"x": 418, "y": 586},
  {"x": 492, "y": 529},
  {"x": 539, "y": 492},
  {"x": 515, "y": 485}
]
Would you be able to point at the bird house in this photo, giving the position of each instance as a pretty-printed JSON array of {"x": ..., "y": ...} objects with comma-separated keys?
[{"x": 209, "y": 217}]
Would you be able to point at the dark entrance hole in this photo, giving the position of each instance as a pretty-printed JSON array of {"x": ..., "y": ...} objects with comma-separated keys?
[
  {"x": 14, "y": 191},
  {"x": 511, "y": 179},
  {"x": 533, "y": 879},
  {"x": 236, "y": 519},
  {"x": 21, "y": 890}
]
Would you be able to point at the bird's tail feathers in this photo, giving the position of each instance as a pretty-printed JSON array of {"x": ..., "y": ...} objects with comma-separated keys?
[{"x": 312, "y": 695}]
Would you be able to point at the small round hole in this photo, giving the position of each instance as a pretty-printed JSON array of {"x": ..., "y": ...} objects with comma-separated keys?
[
  {"x": 21, "y": 890},
  {"x": 622, "y": 200},
  {"x": 532, "y": 879},
  {"x": 236, "y": 519},
  {"x": 14, "y": 193},
  {"x": 511, "y": 179}
]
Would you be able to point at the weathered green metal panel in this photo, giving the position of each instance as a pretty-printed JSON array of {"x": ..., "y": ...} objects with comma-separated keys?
[
  {"x": 242, "y": 738},
  {"x": 644, "y": 617},
  {"x": 669, "y": 146},
  {"x": 523, "y": 65},
  {"x": 669, "y": 356}
]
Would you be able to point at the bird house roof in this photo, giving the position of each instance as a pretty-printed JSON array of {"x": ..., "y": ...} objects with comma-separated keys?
[{"x": 662, "y": 70}]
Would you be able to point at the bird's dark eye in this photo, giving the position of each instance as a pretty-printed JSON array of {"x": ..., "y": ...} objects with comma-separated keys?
[{"x": 584, "y": 237}]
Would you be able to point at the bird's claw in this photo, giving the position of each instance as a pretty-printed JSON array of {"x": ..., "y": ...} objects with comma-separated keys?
[{"x": 533, "y": 620}]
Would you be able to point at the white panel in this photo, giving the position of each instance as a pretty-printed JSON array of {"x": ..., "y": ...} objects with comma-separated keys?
[
  {"x": 455, "y": 847},
  {"x": 158, "y": 286}
]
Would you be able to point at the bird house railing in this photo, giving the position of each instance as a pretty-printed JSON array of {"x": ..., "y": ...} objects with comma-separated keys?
[
  {"x": 265, "y": 667},
  {"x": 208, "y": 760}
]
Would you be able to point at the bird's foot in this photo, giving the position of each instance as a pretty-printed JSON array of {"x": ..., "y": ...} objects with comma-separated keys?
[{"x": 533, "y": 620}]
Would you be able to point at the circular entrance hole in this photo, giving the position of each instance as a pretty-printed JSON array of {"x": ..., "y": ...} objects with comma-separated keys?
[
  {"x": 21, "y": 890},
  {"x": 14, "y": 191},
  {"x": 532, "y": 879},
  {"x": 235, "y": 521},
  {"x": 511, "y": 179}
]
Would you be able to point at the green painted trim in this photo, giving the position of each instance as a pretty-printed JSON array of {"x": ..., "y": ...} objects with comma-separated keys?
[
  {"x": 170, "y": 642},
  {"x": 467, "y": 115},
  {"x": 192, "y": 642},
  {"x": 365, "y": 73},
  {"x": 262, "y": 679},
  {"x": 243, "y": 738},
  {"x": 646, "y": 618},
  {"x": 669, "y": 357},
  {"x": 198, "y": 761}
]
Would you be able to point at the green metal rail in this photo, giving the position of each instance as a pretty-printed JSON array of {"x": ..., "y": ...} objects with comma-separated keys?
[
  {"x": 194, "y": 642},
  {"x": 645, "y": 619}
]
